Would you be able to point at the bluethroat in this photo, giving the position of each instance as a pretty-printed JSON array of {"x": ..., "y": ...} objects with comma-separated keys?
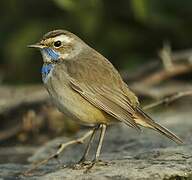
[{"x": 85, "y": 86}]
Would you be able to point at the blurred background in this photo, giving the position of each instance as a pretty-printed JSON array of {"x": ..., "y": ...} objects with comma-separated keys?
[
  {"x": 148, "y": 41},
  {"x": 128, "y": 32}
]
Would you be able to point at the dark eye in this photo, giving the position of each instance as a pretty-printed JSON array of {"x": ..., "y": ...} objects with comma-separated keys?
[{"x": 57, "y": 43}]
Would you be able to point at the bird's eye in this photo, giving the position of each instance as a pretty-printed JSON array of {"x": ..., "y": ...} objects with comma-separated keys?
[{"x": 57, "y": 44}]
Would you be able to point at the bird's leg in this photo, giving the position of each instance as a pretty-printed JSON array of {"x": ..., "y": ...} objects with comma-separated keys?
[
  {"x": 84, "y": 157},
  {"x": 103, "y": 130},
  {"x": 98, "y": 151},
  {"x": 58, "y": 152}
]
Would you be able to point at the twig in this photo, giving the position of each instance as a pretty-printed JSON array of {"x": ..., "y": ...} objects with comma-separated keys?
[
  {"x": 165, "y": 55},
  {"x": 159, "y": 91},
  {"x": 168, "y": 99},
  {"x": 58, "y": 152},
  {"x": 162, "y": 75}
]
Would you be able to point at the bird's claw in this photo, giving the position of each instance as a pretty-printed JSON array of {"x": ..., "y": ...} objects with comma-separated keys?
[{"x": 88, "y": 165}]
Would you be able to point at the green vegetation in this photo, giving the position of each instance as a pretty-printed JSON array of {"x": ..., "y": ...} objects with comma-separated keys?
[{"x": 128, "y": 32}]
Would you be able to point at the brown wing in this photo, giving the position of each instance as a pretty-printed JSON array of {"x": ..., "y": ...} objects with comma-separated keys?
[
  {"x": 99, "y": 82},
  {"x": 112, "y": 105}
]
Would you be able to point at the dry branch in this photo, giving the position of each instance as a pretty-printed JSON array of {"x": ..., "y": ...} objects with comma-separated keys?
[
  {"x": 163, "y": 74},
  {"x": 168, "y": 99},
  {"x": 59, "y": 151}
]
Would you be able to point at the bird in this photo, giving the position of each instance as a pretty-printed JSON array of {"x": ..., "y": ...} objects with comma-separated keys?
[{"x": 86, "y": 87}]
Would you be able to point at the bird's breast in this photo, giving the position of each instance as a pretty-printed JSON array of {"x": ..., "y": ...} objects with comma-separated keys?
[{"x": 70, "y": 102}]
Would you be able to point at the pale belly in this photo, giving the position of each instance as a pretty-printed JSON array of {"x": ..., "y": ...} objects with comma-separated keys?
[{"x": 74, "y": 105}]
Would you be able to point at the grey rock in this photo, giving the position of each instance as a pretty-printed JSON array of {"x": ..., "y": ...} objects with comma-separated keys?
[{"x": 130, "y": 155}]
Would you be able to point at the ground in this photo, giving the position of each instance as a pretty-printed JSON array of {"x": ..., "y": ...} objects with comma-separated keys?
[{"x": 130, "y": 155}]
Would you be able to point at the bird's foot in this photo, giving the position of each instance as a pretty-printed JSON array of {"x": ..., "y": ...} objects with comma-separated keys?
[
  {"x": 88, "y": 165},
  {"x": 95, "y": 163},
  {"x": 82, "y": 165}
]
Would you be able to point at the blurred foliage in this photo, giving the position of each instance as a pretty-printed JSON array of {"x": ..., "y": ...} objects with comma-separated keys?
[{"x": 128, "y": 32}]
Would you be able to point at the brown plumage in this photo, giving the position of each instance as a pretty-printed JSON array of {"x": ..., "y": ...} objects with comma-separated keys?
[{"x": 84, "y": 85}]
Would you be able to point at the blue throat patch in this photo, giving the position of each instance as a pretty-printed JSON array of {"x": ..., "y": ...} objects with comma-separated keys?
[
  {"x": 51, "y": 53},
  {"x": 46, "y": 70}
]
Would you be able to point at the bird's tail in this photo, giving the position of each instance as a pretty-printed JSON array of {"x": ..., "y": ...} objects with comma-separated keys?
[{"x": 143, "y": 119}]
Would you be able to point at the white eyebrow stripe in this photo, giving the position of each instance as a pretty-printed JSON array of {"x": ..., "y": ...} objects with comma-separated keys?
[{"x": 63, "y": 38}]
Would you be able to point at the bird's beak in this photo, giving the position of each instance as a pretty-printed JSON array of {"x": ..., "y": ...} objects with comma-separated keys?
[{"x": 37, "y": 45}]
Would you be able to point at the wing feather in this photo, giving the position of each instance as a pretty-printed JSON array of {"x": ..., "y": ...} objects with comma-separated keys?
[{"x": 111, "y": 103}]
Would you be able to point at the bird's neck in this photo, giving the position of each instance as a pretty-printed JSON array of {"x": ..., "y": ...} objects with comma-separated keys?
[{"x": 46, "y": 71}]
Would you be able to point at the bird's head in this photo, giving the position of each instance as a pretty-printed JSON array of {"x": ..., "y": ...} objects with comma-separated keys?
[{"x": 59, "y": 45}]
